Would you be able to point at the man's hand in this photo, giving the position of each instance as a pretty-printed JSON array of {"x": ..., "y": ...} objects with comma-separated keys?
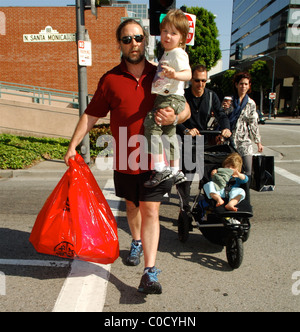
[
  {"x": 165, "y": 116},
  {"x": 85, "y": 124},
  {"x": 226, "y": 133},
  {"x": 193, "y": 132},
  {"x": 71, "y": 153}
]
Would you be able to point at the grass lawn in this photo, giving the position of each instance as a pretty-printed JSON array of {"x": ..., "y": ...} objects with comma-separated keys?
[{"x": 19, "y": 152}]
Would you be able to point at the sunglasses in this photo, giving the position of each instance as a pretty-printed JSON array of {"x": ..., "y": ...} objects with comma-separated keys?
[
  {"x": 128, "y": 39},
  {"x": 198, "y": 81}
]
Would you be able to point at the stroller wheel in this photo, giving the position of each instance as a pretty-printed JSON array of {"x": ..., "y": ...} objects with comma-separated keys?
[
  {"x": 184, "y": 223},
  {"x": 235, "y": 252}
]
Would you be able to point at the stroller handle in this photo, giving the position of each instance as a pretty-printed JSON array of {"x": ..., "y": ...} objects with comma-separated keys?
[{"x": 210, "y": 132}]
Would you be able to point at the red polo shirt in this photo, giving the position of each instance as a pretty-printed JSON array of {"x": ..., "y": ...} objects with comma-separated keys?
[{"x": 129, "y": 101}]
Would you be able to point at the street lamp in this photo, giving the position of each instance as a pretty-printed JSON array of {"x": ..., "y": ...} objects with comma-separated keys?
[{"x": 273, "y": 78}]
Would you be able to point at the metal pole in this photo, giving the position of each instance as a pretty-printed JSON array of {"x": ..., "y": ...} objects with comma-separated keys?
[
  {"x": 273, "y": 83},
  {"x": 82, "y": 79}
]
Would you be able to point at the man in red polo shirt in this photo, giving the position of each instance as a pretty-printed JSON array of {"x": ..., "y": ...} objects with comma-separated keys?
[{"x": 125, "y": 92}]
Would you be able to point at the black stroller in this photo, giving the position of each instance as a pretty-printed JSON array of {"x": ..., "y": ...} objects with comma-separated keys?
[{"x": 219, "y": 226}]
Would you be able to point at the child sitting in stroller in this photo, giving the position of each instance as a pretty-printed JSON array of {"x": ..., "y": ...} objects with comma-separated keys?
[{"x": 216, "y": 189}]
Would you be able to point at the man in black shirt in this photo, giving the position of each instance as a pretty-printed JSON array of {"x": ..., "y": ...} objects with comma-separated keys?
[{"x": 203, "y": 103}]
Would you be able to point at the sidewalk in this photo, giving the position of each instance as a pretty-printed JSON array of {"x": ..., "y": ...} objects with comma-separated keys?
[
  {"x": 50, "y": 169},
  {"x": 282, "y": 119},
  {"x": 56, "y": 168}
]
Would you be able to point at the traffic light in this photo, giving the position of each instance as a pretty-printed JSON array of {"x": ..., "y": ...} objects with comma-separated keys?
[
  {"x": 239, "y": 51},
  {"x": 157, "y": 8},
  {"x": 93, "y": 4},
  {"x": 97, "y": 3}
]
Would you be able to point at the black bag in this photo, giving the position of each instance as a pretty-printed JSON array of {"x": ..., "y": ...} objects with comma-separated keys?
[{"x": 263, "y": 174}]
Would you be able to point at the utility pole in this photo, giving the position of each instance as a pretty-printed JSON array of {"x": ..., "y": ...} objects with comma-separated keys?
[{"x": 82, "y": 78}]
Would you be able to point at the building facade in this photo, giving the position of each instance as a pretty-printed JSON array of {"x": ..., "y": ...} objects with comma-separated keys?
[
  {"x": 53, "y": 63},
  {"x": 271, "y": 28},
  {"x": 134, "y": 10}
]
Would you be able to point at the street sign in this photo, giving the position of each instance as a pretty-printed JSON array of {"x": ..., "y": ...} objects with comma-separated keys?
[
  {"x": 85, "y": 53},
  {"x": 272, "y": 96},
  {"x": 49, "y": 35},
  {"x": 191, "y": 36}
]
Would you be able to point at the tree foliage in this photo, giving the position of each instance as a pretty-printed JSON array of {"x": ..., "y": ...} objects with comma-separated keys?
[
  {"x": 223, "y": 84},
  {"x": 261, "y": 81},
  {"x": 260, "y": 74},
  {"x": 207, "y": 46}
]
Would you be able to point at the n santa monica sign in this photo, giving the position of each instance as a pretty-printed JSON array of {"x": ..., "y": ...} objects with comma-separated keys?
[{"x": 49, "y": 35}]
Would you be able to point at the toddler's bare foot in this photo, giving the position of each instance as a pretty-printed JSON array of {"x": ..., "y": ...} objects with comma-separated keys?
[
  {"x": 231, "y": 207},
  {"x": 217, "y": 198},
  {"x": 220, "y": 202}
]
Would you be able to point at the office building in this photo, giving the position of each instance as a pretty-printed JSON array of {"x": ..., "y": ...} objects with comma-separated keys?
[
  {"x": 54, "y": 64},
  {"x": 270, "y": 28},
  {"x": 134, "y": 10}
]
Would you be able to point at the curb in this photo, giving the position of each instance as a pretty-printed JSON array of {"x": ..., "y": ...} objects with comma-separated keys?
[
  {"x": 38, "y": 171},
  {"x": 9, "y": 174},
  {"x": 45, "y": 171},
  {"x": 6, "y": 174}
]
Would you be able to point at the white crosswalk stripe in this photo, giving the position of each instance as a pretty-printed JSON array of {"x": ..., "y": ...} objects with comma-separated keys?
[{"x": 85, "y": 288}]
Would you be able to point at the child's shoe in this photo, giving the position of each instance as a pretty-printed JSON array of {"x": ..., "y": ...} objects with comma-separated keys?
[
  {"x": 158, "y": 177},
  {"x": 179, "y": 178}
]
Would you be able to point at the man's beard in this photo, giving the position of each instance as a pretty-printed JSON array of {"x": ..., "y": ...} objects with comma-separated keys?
[{"x": 135, "y": 61}]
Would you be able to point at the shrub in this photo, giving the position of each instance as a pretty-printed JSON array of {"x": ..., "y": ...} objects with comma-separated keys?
[{"x": 18, "y": 152}]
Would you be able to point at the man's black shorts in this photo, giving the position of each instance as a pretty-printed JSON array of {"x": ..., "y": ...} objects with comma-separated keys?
[{"x": 131, "y": 187}]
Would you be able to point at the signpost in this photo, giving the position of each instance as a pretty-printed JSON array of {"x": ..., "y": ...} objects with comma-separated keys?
[
  {"x": 191, "y": 36},
  {"x": 192, "y": 22},
  {"x": 84, "y": 60},
  {"x": 82, "y": 77},
  {"x": 84, "y": 53}
]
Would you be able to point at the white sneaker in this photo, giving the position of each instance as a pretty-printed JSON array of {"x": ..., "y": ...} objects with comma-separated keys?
[{"x": 179, "y": 178}]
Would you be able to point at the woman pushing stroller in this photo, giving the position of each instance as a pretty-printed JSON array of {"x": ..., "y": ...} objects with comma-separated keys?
[
  {"x": 244, "y": 120},
  {"x": 244, "y": 126},
  {"x": 228, "y": 224}
]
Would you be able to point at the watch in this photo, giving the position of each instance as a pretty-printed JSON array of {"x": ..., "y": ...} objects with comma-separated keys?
[{"x": 186, "y": 131}]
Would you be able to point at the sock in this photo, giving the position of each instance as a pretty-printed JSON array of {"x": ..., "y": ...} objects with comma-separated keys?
[
  {"x": 159, "y": 167},
  {"x": 147, "y": 269},
  {"x": 137, "y": 242},
  {"x": 174, "y": 170}
]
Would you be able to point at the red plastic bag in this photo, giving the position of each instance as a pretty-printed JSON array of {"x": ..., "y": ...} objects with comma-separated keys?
[{"x": 76, "y": 221}]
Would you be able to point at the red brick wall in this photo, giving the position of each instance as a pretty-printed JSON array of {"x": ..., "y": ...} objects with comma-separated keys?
[{"x": 54, "y": 65}]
